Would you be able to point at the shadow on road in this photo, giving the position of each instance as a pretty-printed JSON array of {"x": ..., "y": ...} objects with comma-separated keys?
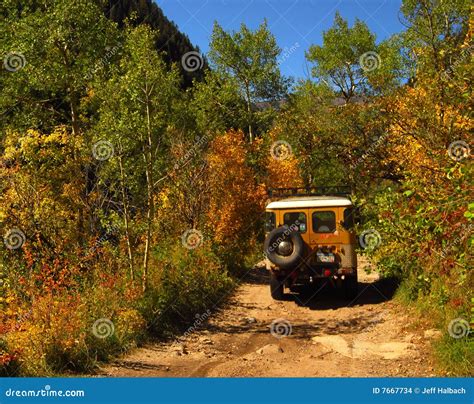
[
  {"x": 257, "y": 276},
  {"x": 315, "y": 297},
  {"x": 325, "y": 295}
]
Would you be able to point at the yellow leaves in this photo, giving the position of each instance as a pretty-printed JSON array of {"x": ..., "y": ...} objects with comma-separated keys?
[
  {"x": 58, "y": 136},
  {"x": 53, "y": 325},
  {"x": 163, "y": 199},
  {"x": 420, "y": 134},
  {"x": 236, "y": 199},
  {"x": 90, "y": 94},
  {"x": 229, "y": 147},
  {"x": 283, "y": 173},
  {"x": 45, "y": 185},
  {"x": 35, "y": 146},
  {"x": 128, "y": 323}
]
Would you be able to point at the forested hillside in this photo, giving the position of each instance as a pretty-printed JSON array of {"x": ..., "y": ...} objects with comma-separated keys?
[
  {"x": 169, "y": 39},
  {"x": 131, "y": 201}
]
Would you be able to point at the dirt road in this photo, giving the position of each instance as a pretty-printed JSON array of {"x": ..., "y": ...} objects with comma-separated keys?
[{"x": 314, "y": 333}]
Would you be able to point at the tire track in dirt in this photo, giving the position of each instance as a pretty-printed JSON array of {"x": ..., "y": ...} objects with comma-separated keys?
[{"x": 370, "y": 336}]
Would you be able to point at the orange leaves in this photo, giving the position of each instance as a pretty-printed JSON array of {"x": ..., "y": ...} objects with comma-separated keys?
[
  {"x": 52, "y": 326},
  {"x": 228, "y": 147},
  {"x": 282, "y": 165},
  {"x": 6, "y": 358},
  {"x": 236, "y": 199},
  {"x": 283, "y": 173}
]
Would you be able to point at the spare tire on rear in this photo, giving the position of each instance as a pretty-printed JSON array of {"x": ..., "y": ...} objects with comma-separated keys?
[{"x": 284, "y": 247}]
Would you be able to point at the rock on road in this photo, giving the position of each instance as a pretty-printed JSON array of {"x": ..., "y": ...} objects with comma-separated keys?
[{"x": 326, "y": 336}]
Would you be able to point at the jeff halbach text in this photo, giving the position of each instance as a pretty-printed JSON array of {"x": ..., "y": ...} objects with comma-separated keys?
[{"x": 417, "y": 390}]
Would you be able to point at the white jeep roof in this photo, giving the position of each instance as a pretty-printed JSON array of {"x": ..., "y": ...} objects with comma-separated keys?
[{"x": 309, "y": 202}]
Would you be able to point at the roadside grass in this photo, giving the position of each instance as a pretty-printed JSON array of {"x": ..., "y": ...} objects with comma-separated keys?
[
  {"x": 430, "y": 309},
  {"x": 455, "y": 356}
]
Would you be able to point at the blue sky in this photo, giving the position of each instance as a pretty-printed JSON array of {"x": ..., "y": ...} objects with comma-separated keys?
[{"x": 296, "y": 24}]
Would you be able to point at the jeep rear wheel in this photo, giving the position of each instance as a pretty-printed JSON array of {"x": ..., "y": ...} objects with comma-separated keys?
[
  {"x": 284, "y": 247},
  {"x": 277, "y": 287}
]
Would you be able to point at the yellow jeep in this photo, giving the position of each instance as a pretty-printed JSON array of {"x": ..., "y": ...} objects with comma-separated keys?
[{"x": 309, "y": 236}]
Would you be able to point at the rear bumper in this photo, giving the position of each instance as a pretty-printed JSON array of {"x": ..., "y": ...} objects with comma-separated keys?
[
  {"x": 322, "y": 272},
  {"x": 307, "y": 271}
]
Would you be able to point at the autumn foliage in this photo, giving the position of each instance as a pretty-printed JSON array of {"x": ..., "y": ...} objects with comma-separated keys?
[
  {"x": 237, "y": 200},
  {"x": 128, "y": 204},
  {"x": 282, "y": 171}
]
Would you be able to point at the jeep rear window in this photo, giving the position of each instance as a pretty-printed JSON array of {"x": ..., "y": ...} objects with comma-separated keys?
[
  {"x": 324, "y": 222},
  {"x": 269, "y": 221},
  {"x": 297, "y": 219}
]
